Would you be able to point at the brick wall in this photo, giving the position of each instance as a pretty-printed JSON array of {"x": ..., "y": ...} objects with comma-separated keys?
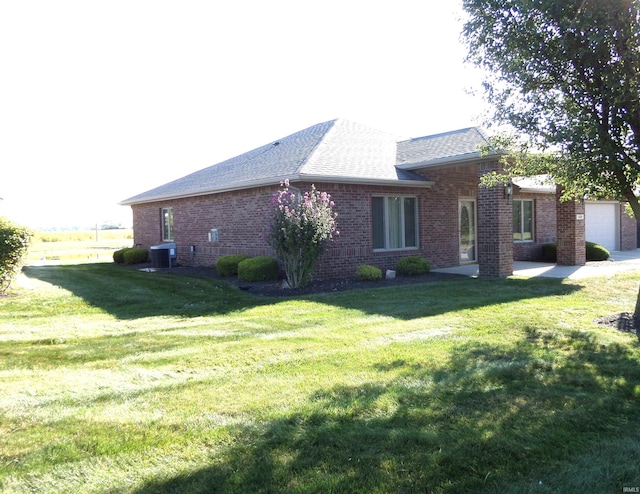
[
  {"x": 242, "y": 218},
  {"x": 571, "y": 232},
  {"x": 628, "y": 230},
  {"x": 440, "y": 230},
  {"x": 495, "y": 228},
  {"x": 544, "y": 228}
]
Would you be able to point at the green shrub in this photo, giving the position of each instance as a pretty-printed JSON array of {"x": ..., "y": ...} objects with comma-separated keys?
[
  {"x": 228, "y": 265},
  {"x": 596, "y": 252},
  {"x": 550, "y": 252},
  {"x": 118, "y": 256},
  {"x": 135, "y": 255},
  {"x": 14, "y": 244},
  {"x": 412, "y": 266},
  {"x": 366, "y": 272},
  {"x": 259, "y": 268}
]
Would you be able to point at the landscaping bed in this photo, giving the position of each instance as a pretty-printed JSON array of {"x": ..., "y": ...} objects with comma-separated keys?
[{"x": 278, "y": 288}]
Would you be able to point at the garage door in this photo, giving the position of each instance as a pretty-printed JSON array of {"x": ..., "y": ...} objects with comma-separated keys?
[{"x": 602, "y": 224}]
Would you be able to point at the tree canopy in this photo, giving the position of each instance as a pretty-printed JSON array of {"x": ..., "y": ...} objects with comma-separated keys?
[{"x": 565, "y": 74}]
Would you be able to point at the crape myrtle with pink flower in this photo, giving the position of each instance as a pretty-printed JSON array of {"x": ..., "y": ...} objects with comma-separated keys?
[{"x": 302, "y": 227}]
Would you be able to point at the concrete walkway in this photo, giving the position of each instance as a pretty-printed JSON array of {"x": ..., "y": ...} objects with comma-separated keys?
[{"x": 619, "y": 261}]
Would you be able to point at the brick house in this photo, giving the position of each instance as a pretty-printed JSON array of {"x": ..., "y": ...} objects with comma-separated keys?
[{"x": 393, "y": 197}]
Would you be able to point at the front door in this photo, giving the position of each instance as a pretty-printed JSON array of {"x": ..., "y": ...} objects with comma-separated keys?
[{"x": 467, "y": 208}]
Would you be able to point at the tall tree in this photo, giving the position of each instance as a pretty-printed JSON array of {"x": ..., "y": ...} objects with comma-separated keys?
[{"x": 565, "y": 74}]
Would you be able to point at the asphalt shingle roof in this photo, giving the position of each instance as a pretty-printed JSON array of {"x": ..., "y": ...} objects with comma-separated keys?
[
  {"x": 457, "y": 145},
  {"x": 337, "y": 150}
]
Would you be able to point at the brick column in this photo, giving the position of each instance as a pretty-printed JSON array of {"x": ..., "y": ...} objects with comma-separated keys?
[
  {"x": 570, "y": 231},
  {"x": 495, "y": 228}
]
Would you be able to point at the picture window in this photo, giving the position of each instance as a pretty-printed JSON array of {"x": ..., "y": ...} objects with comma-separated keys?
[{"x": 395, "y": 222}]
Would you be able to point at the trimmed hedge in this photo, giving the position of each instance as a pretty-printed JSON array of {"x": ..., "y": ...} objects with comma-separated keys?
[
  {"x": 135, "y": 255},
  {"x": 595, "y": 252},
  {"x": 413, "y": 266},
  {"x": 261, "y": 268},
  {"x": 366, "y": 272},
  {"x": 228, "y": 265},
  {"x": 118, "y": 256}
]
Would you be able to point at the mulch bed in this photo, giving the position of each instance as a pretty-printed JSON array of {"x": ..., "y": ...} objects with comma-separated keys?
[
  {"x": 625, "y": 322},
  {"x": 276, "y": 288}
]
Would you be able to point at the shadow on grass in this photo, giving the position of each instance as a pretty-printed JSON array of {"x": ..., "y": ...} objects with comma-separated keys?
[
  {"x": 428, "y": 299},
  {"x": 131, "y": 294},
  {"x": 491, "y": 419}
]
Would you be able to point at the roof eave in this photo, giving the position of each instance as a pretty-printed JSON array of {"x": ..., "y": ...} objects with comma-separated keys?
[
  {"x": 276, "y": 180},
  {"x": 364, "y": 181},
  {"x": 250, "y": 184},
  {"x": 461, "y": 159},
  {"x": 536, "y": 190}
]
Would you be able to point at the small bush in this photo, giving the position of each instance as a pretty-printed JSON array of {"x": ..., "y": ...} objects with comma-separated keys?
[
  {"x": 14, "y": 244},
  {"x": 550, "y": 252},
  {"x": 259, "y": 268},
  {"x": 367, "y": 272},
  {"x": 413, "y": 266},
  {"x": 135, "y": 255},
  {"x": 228, "y": 265},
  {"x": 596, "y": 252},
  {"x": 118, "y": 256}
]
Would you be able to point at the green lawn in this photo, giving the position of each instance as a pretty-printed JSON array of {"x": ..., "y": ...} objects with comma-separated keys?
[{"x": 115, "y": 380}]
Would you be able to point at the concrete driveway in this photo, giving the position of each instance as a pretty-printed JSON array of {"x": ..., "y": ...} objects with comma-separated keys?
[{"x": 620, "y": 261}]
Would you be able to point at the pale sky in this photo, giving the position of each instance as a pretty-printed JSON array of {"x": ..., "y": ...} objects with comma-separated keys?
[{"x": 102, "y": 100}]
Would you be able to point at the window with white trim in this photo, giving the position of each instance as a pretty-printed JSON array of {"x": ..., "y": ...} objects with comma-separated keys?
[
  {"x": 395, "y": 222},
  {"x": 167, "y": 224},
  {"x": 523, "y": 220}
]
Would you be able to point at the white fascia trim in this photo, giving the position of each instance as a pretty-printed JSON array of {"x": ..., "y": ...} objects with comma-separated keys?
[
  {"x": 364, "y": 181},
  {"x": 461, "y": 159},
  {"x": 250, "y": 184},
  {"x": 540, "y": 190}
]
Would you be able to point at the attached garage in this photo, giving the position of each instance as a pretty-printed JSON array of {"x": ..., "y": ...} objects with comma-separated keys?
[{"x": 603, "y": 224}]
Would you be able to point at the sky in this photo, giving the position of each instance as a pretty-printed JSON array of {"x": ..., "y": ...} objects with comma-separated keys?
[{"x": 100, "y": 101}]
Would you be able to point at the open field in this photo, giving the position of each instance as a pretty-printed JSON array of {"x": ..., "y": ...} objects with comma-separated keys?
[
  {"x": 116, "y": 380},
  {"x": 87, "y": 246}
]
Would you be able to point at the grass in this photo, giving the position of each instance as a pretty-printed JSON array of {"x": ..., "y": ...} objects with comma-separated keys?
[{"x": 114, "y": 380}]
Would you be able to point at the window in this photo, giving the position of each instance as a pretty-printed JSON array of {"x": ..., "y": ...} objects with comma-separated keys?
[
  {"x": 167, "y": 224},
  {"x": 523, "y": 220},
  {"x": 395, "y": 222}
]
